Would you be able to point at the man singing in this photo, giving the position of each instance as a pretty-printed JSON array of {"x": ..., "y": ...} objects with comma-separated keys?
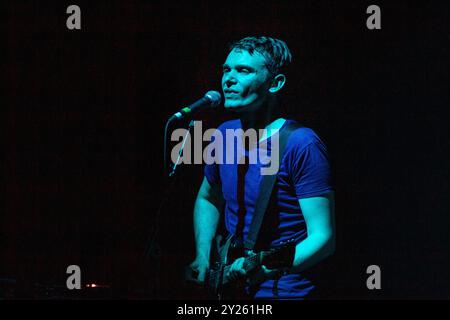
[{"x": 302, "y": 205}]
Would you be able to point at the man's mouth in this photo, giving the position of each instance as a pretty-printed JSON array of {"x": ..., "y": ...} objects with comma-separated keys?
[{"x": 228, "y": 91}]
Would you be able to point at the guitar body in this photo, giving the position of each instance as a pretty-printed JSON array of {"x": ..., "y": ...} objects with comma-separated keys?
[{"x": 225, "y": 251}]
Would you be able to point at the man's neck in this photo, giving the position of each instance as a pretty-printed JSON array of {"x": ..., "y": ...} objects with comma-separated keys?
[{"x": 266, "y": 117}]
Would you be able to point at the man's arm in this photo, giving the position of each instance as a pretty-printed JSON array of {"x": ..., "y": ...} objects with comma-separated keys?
[
  {"x": 319, "y": 244},
  {"x": 207, "y": 211},
  {"x": 320, "y": 223}
]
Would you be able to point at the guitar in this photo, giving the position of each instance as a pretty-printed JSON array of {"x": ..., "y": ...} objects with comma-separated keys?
[{"x": 226, "y": 251}]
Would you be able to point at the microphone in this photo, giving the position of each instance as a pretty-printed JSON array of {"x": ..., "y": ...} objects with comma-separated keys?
[{"x": 211, "y": 100}]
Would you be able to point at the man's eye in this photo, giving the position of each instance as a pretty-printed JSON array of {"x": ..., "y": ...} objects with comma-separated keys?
[
  {"x": 244, "y": 70},
  {"x": 225, "y": 70}
]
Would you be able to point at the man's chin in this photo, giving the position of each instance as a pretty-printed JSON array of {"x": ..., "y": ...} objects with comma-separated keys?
[
  {"x": 241, "y": 108},
  {"x": 235, "y": 108}
]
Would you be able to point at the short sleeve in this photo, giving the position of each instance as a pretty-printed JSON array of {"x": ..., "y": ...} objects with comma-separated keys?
[{"x": 310, "y": 170}]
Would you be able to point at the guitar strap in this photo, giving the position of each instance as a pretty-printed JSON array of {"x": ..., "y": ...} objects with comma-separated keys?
[{"x": 266, "y": 187}]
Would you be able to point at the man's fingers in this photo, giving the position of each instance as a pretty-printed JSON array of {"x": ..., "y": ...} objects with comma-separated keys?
[
  {"x": 236, "y": 269},
  {"x": 201, "y": 275},
  {"x": 199, "y": 269}
]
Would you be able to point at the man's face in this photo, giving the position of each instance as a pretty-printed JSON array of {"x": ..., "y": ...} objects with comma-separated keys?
[{"x": 245, "y": 81}]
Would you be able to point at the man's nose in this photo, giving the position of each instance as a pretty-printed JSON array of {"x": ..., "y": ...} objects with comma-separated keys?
[{"x": 229, "y": 79}]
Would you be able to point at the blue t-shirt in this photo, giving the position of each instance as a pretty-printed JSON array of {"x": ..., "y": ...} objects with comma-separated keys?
[{"x": 304, "y": 172}]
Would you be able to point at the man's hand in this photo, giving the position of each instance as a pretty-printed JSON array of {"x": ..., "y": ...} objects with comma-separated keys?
[
  {"x": 260, "y": 275},
  {"x": 200, "y": 266},
  {"x": 254, "y": 277},
  {"x": 236, "y": 270}
]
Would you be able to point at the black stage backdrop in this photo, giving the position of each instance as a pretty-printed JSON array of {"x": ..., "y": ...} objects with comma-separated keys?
[{"x": 84, "y": 114}]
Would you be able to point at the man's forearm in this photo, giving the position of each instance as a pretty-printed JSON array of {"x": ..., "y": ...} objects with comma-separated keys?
[
  {"x": 206, "y": 218},
  {"x": 311, "y": 251}
]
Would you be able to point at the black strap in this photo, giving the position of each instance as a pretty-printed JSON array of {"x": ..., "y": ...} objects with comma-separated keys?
[{"x": 266, "y": 187}]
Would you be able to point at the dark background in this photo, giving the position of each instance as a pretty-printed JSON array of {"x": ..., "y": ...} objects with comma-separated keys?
[{"x": 85, "y": 111}]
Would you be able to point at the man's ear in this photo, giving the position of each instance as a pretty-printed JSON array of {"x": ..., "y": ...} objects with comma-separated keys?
[{"x": 277, "y": 83}]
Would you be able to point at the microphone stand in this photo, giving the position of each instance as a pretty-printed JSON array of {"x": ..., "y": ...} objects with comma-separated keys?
[
  {"x": 188, "y": 133},
  {"x": 153, "y": 250}
]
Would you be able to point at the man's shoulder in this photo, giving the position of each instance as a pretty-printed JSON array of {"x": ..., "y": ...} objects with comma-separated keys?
[{"x": 301, "y": 136}]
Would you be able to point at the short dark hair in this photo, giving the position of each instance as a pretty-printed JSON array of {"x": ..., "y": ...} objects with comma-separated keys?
[{"x": 276, "y": 51}]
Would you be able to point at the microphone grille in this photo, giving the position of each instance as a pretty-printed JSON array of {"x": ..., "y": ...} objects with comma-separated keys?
[{"x": 215, "y": 97}]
